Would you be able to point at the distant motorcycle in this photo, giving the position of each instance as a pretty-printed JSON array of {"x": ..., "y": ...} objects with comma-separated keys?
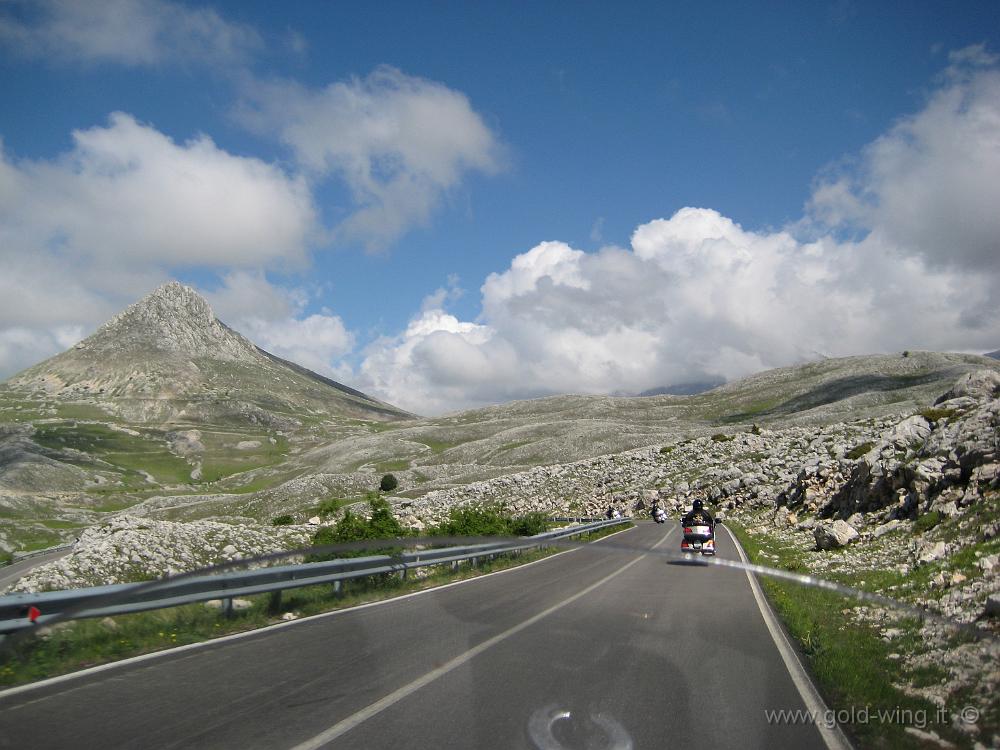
[{"x": 660, "y": 515}]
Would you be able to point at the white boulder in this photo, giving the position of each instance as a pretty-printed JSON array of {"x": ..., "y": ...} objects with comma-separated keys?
[{"x": 833, "y": 535}]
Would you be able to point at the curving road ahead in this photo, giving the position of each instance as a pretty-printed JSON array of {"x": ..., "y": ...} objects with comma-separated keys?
[
  {"x": 592, "y": 648},
  {"x": 10, "y": 574}
]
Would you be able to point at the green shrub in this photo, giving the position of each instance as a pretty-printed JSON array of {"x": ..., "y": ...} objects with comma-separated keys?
[
  {"x": 666, "y": 449},
  {"x": 927, "y": 521},
  {"x": 933, "y": 415},
  {"x": 755, "y": 430},
  {"x": 285, "y": 520},
  {"x": 330, "y": 506},
  {"x": 721, "y": 437},
  {"x": 530, "y": 524},
  {"x": 325, "y": 536},
  {"x": 381, "y": 524},
  {"x": 478, "y": 520},
  {"x": 859, "y": 450},
  {"x": 388, "y": 483},
  {"x": 489, "y": 520}
]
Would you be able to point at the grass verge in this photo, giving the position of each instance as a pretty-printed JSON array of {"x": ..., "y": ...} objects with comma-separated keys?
[
  {"x": 79, "y": 644},
  {"x": 851, "y": 664}
]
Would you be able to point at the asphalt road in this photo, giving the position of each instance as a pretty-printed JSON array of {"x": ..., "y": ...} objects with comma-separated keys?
[
  {"x": 589, "y": 649},
  {"x": 11, "y": 573}
]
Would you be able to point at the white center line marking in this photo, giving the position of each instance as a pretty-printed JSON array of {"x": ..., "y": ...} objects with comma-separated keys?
[{"x": 349, "y": 723}]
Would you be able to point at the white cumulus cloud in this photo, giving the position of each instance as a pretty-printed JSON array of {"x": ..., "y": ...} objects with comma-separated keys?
[
  {"x": 438, "y": 364},
  {"x": 317, "y": 342},
  {"x": 127, "y": 32},
  {"x": 398, "y": 142},
  {"x": 86, "y": 233},
  {"x": 20, "y": 345},
  {"x": 696, "y": 296},
  {"x": 128, "y": 192},
  {"x": 273, "y": 318},
  {"x": 929, "y": 186}
]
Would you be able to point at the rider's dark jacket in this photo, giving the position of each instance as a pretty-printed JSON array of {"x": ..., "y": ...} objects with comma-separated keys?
[{"x": 698, "y": 518}]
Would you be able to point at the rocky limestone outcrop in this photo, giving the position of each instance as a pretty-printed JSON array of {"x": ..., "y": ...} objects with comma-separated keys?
[
  {"x": 128, "y": 549},
  {"x": 976, "y": 385},
  {"x": 919, "y": 467},
  {"x": 185, "y": 442}
]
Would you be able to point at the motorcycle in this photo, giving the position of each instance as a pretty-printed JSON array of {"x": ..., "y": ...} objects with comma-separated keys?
[
  {"x": 698, "y": 538},
  {"x": 659, "y": 515}
]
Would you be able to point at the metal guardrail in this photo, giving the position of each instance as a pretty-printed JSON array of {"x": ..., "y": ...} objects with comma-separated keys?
[
  {"x": 17, "y": 557},
  {"x": 16, "y": 610}
]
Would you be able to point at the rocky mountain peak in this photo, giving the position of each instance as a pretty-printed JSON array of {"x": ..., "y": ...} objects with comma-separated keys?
[
  {"x": 173, "y": 319},
  {"x": 175, "y": 296},
  {"x": 168, "y": 357}
]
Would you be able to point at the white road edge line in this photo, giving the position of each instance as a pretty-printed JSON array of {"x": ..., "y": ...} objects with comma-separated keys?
[
  {"x": 834, "y": 737},
  {"x": 346, "y": 725},
  {"x": 272, "y": 628}
]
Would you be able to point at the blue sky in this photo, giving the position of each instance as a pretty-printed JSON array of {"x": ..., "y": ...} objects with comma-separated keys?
[{"x": 376, "y": 184}]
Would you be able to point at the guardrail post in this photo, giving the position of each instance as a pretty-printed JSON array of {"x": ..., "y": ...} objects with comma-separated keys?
[
  {"x": 454, "y": 566},
  {"x": 338, "y": 588},
  {"x": 274, "y": 603},
  {"x": 228, "y": 606}
]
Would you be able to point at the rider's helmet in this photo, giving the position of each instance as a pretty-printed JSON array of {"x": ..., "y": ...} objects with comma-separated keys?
[{"x": 698, "y": 505}]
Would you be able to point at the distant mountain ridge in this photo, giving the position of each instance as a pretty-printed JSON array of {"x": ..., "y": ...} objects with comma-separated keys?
[
  {"x": 168, "y": 357},
  {"x": 684, "y": 389},
  {"x": 144, "y": 406}
]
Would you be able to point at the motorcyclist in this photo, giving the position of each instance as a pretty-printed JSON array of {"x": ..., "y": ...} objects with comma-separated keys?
[{"x": 698, "y": 516}]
